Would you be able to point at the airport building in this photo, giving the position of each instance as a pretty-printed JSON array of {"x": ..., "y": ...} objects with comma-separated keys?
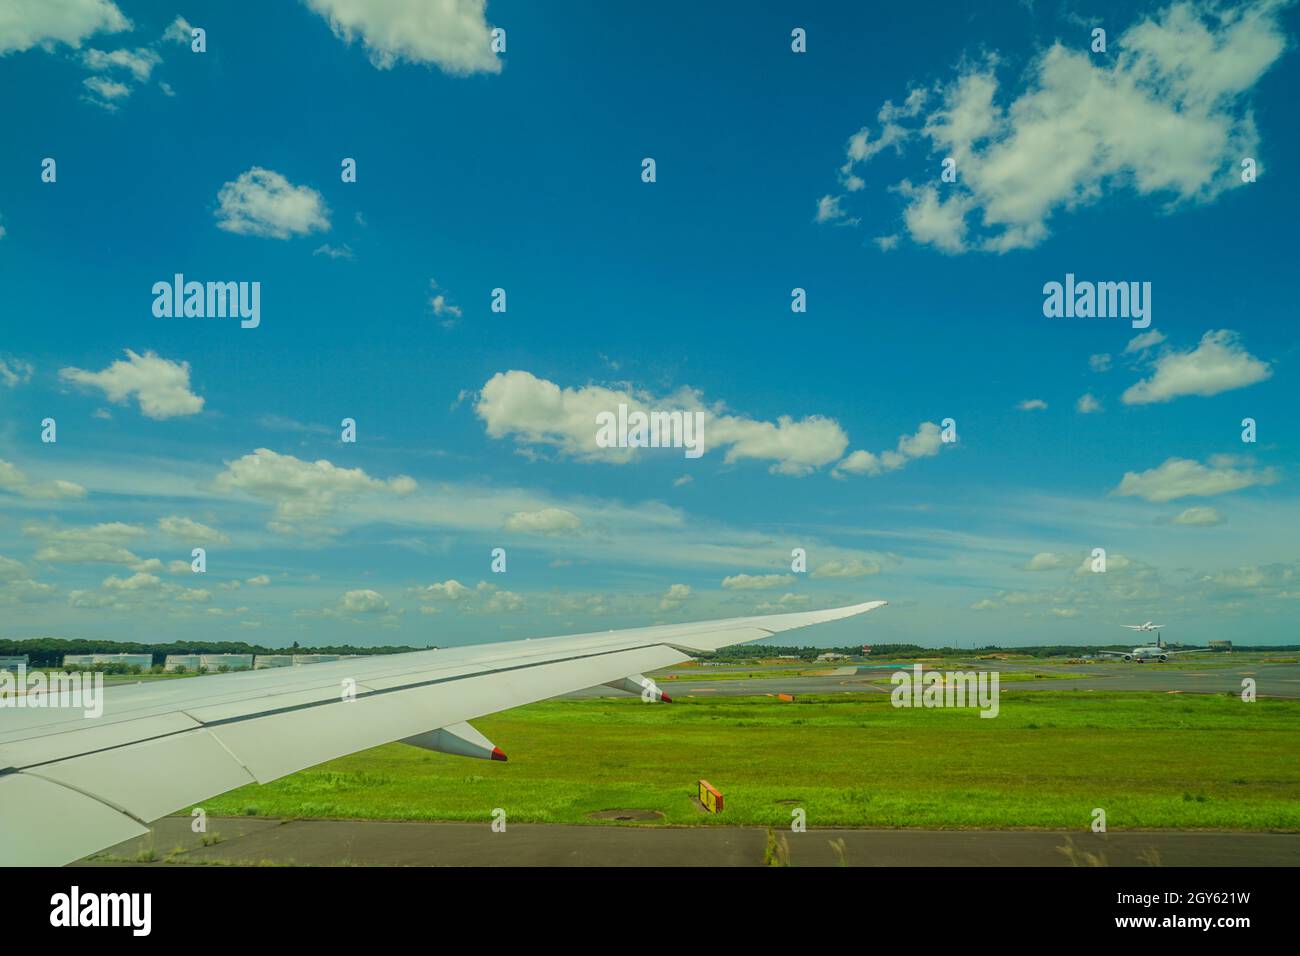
[
  {"x": 272, "y": 660},
  {"x": 144, "y": 661},
  {"x": 13, "y": 663},
  {"x": 215, "y": 662},
  {"x": 177, "y": 662},
  {"x": 299, "y": 659}
]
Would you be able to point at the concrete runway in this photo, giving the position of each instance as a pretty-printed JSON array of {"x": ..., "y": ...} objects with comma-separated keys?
[
  {"x": 1216, "y": 677},
  {"x": 257, "y": 841}
]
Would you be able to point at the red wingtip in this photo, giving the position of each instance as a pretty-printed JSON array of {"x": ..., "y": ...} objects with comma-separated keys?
[
  {"x": 497, "y": 754},
  {"x": 665, "y": 698}
]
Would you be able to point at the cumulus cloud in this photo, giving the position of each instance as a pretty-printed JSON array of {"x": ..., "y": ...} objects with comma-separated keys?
[
  {"x": 159, "y": 385},
  {"x": 1144, "y": 341},
  {"x": 1183, "y": 477},
  {"x": 545, "y": 521},
  {"x": 139, "y": 63},
  {"x": 103, "y": 543},
  {"x": 303, "y": 492},
  {"x": 1217, "y": 364},
  {"x": 105, "y": 92},
  {"x": 925, "y": 443},
  {"x": 852, "y": 568},
  {"x": 756, "y": 582},
  {"x": 1099, "y": 362},
  {"x": 829, "y": 210},
  {"x": 1199, "y": 517},
  {"x": 16, "y": 482},
  {"x": 674, "y": 597},
  {"x": 534, "y": 411},
  {"x": 442, "y": 306},
  {"x": 1032, "y": 405},
  {"x": 1087, "y": 404},
  {"x": 28, "y": 23},
  {"x": 363, "y": 601},
  {"x": 191, "y": 531},
  {"x": 1166, "y": 114},
  {"x": 449, "y": 590},
  {"x": 263, "y": 203},
  {"x": 1048, "y": 561},
  {"x": 450, "y": 34}
]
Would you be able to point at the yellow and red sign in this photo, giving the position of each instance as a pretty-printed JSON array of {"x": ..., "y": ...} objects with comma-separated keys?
[{"x": 710, "y": 797}]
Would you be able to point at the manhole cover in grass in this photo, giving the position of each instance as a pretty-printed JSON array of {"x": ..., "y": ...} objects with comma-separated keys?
[{"x": 636, "y": 815}]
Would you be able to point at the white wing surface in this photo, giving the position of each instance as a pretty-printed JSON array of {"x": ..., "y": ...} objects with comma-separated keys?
[{"x": 71, "y": 785}]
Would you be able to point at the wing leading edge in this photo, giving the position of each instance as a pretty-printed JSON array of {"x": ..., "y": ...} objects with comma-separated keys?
[{"x": 70, "y": 786}]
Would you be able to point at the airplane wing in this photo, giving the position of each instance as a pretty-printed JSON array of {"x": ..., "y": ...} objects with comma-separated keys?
[
  {"x": 70, "y": 785},
  {"x": 1185, "y": 650}
]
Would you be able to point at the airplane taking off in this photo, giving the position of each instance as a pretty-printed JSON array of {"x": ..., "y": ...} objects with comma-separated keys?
[
  {"x": 1155, "y": 652},
  {"x": 70, "y": 786},
  {"x": 1148, "y": 626}
]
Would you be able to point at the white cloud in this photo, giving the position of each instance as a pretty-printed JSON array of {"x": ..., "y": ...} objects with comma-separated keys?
[
  {"x": 190, "y": 530},
  {"x": 674, "y": 597},
  {"x": 28, "y": 23},
  {"x": 14, "y": 481},
  {"x": 1217, "y": 364},
  {"x": 1087, "y": 404},
  {"x": 535, "y": 411},
  {"x": 1167, "y": 113},
  {"x": 136, "y": 582},
  {"x": 442, "y": 306},
  {"x": 105, "y": 92},
  {"x": 1182, "y": 477},
  {"x": 1032, "y": 405},
  {"x": 449, "y": 590},
  {"x": 334, "y": 252},
  {"x": 925, "y": 443},
  {"x": 1099, "y": 363},
  {"x": 1048, "y": 561},
  {"x": 161, "y": 386},
  {"x": 1144, "y": 341},
  {"x": 258, "y": 581},
  {"x": 261, "y": 202},
  {"x": 545, "y": 521},
  {"x": 452, "y": 34},
  {"x": 139, "y": 62},
  {"x": 15, "y": 372},
  {"x": 1200, "y": 517},
  {"x": 362, "y": 601},
  {"x": 756, "y": 582},
  {"x": 179, "y": 31},
  {"x": 784, "y": 603},
  {"x": 303, "y": 492},
  {"x": 829, "y": 210},
  {"x": 854, "y": 568}
]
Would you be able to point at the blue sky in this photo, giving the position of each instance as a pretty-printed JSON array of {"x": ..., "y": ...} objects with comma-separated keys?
[{"x": 522, "y": 170}]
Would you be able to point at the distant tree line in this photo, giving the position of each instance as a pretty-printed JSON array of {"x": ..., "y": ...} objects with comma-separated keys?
[{"x": 49, "y": 651}]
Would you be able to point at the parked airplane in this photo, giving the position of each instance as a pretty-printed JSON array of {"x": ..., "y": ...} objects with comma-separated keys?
[
  {"x": 71, "y": 786},
  {"x": 1155, "y": 652}
]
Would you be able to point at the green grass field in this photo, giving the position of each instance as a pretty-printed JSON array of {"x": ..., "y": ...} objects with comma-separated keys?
[{"x": 1150, "y": 760}]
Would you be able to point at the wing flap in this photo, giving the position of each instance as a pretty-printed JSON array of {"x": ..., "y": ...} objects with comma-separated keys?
[
  {"x": 151, "y": 779},
  {"x": 45, "y": 824}
]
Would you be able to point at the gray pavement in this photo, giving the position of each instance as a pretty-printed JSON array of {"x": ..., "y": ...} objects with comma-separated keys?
[{"x": 256, "y": 841}]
